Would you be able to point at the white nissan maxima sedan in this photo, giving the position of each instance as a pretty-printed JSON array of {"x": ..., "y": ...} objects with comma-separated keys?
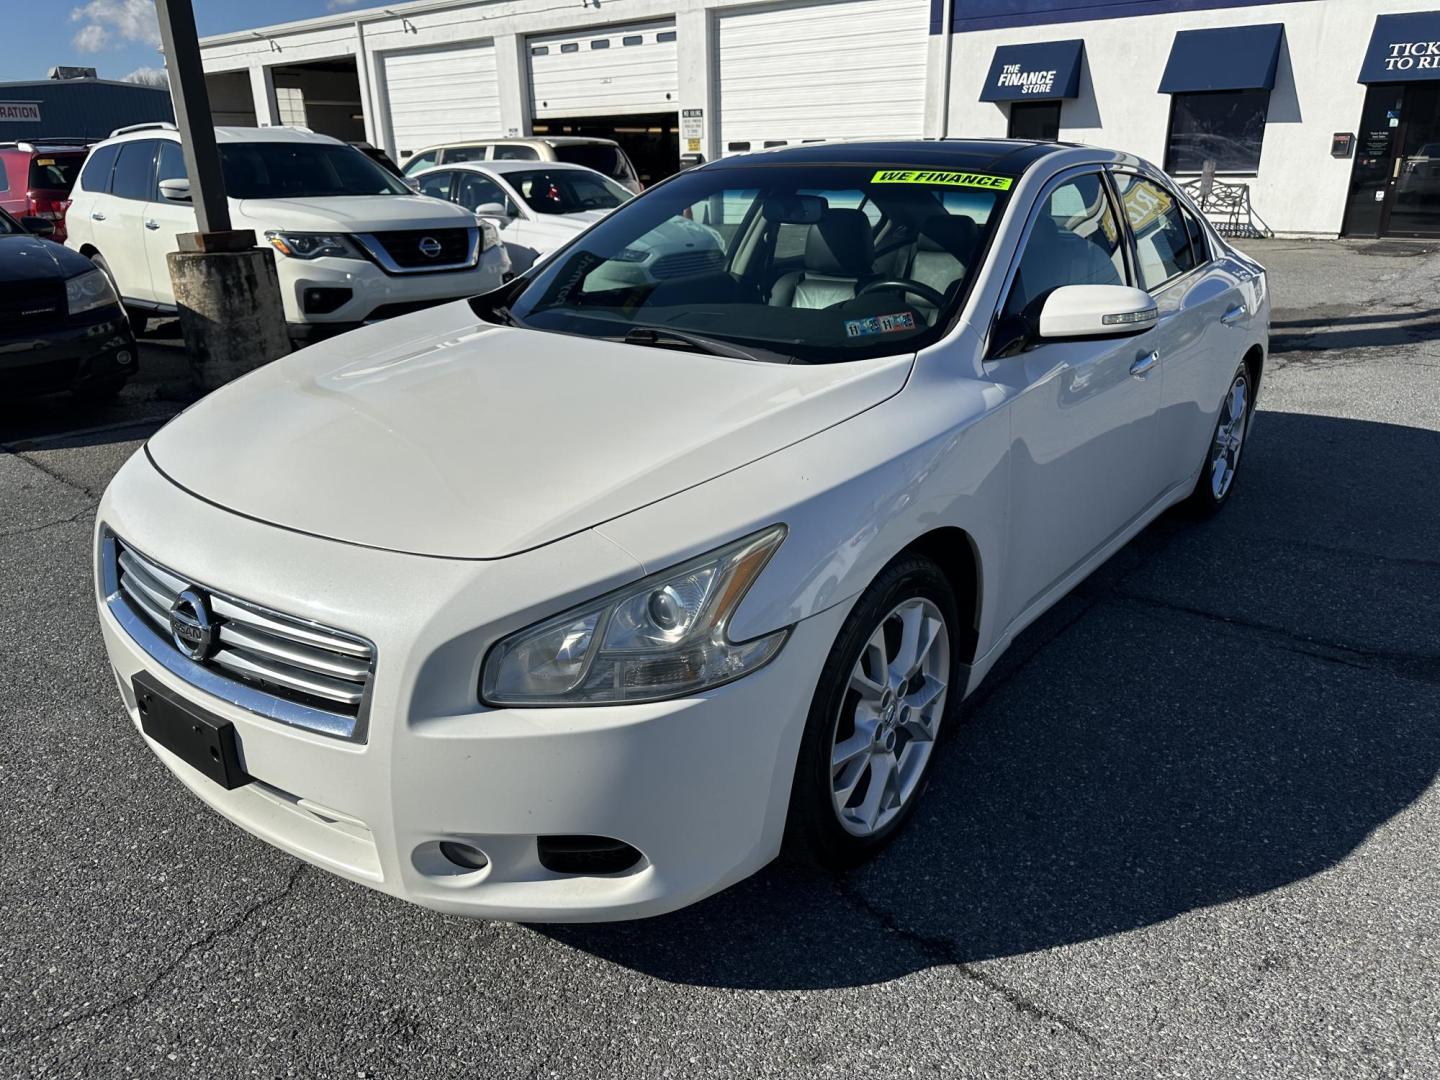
[{"x": 583, "y": 599}]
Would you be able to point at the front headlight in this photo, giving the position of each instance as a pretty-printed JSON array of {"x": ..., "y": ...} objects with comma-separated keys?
[
  {"x": 89, "y": 291},
  {"x": 303, "y": 245},
  {"x": 662, "y": 637}
]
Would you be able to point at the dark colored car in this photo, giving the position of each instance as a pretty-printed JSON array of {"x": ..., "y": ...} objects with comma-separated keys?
[
  {"x": 61, "y": 324},
  {"x": 36, "y": 178}
]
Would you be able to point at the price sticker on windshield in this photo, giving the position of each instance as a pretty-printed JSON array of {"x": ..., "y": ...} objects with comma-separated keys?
[
  {"x": 942, "y": 178},
  {"x": 880, "y": 324}
]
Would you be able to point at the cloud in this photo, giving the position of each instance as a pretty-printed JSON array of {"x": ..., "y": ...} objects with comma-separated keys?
[
  {"x": 338, "y": 5},
  {"x": 109, "y": 24},
  {"x": 148, "y": 76}
]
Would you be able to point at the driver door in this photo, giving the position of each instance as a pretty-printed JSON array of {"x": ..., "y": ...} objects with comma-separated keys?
[{"x": 1084, "y": 420}]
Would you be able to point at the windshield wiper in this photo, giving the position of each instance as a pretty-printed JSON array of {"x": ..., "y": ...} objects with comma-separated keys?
[{"x": 661, "y": 337}]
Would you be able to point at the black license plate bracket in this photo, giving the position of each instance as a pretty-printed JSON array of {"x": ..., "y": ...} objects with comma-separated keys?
[{"x": 203, "y": 741}]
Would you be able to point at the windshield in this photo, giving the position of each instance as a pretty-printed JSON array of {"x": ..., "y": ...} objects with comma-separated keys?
[
  {"x": 301, "y": 170},
  {"x": 8, "y": 225},
  {"x": 566, "y": 191},
  {"x": 598, "y": 156},
  {"x": 55, "y": 172},
  {"x": 817, "y": 262}
]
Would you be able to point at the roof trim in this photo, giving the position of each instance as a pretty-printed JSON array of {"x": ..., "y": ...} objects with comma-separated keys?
[
  {"x": 51, "y": 83},
  {"x": 394, "y": 12}
]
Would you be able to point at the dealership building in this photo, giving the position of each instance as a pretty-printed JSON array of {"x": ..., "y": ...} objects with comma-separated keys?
[{"x": 1315, "y": 117}]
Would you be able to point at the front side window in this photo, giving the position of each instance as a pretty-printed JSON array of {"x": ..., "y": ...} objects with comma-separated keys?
[
  {"x": 598, "y": 156},
  {"x": 436, "y": 184},
  {"x": 169, "y": 165},
  {"x": 302, "y": 170},
  {"x": 660, "y": 266},
  {"x": 1075, "y": 239},
  {"x": 95, "y": 176},
  {"x": 133, "y": 170},
  {"x": 566, "y": 191},
  {"x": 1225, "y": 126},
  {"x": 1162, "y": 241},
  {"x": 419, "y": 162}
]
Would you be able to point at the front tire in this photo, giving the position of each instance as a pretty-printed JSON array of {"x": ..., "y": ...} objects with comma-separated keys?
[
  {"x": 877, "y": 713},
  {"x": 1222, "y": 461}
]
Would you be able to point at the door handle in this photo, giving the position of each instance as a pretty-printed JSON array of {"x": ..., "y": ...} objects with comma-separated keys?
[
  {"x": 152, "y": 225},
  {"x": 1233, "y": 314},
  {"x": 1142, "y": 365},
  {"x": 95, "y": 215}
]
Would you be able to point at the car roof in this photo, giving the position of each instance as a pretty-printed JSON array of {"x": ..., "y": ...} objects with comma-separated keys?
[
  {"x": 502, "y": 167},
  {"x": 41, "y": 146},
  {"x": 1008, "y": 156},
  {"x": 234, "y": 135},
  {"x": 524, "y": 140}
]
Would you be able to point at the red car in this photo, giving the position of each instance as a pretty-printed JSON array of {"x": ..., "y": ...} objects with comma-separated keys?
[{"x": 36, "y": 177}]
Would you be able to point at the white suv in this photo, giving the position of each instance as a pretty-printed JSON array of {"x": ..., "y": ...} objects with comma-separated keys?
[{"x": 353, "y": 244}]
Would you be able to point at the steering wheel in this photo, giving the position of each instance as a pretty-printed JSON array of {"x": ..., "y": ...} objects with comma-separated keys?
[{"x": 918, "y": 288}]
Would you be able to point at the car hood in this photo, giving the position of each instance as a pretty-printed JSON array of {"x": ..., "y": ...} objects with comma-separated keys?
[
  {"x": 438, "y": 434},
  {"x": 353, "y": 213},
  {"x": 31, "y": 258}
]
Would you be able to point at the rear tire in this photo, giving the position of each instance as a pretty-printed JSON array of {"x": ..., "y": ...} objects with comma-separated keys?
[
  {"x": 1222, "y": 459},
  {"x": 879, "y": 707}
]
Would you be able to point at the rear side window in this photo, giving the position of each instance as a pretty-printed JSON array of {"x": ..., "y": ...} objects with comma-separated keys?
[
  {"x": 1197, "y": 238},
  {"x": 133, "y": 170},
  {"x": 518, "y": 152},
  {"x": 4, "y": 180},
  {"x": 421, "y": 161},
  {"x": 1162, "y": 241},
  {"x": 55, "y": 172},
  {"x": 456, "y": 154},
  {"x": 96, "y": 174},
  {"x": 603, "y": 159}
]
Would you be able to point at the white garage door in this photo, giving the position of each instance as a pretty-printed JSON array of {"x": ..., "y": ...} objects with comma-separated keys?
[
  {"x": 852, "y": 69},
  {"x": 442, "y": 95},
  {"x": 623, "y": 69}
]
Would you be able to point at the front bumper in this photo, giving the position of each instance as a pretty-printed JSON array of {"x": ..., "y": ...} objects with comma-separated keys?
[
  {"x": 367, "y": 293},
  {"x": 699, "y": 786},
  {"x": 71, "y": 355}
]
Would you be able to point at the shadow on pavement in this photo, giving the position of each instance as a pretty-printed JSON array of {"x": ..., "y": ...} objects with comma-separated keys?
[{"x": 1215, "y": 714}]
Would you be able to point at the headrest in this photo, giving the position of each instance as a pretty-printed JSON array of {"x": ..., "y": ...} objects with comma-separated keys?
[
  {"x": 840, "y": 243},
  {"x": 954, "y": 234}
]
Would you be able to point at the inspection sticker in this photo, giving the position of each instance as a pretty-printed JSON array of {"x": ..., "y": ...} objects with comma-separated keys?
[
  {"x": 880, "y": 324},
  {"x": 946, "y": 179}
]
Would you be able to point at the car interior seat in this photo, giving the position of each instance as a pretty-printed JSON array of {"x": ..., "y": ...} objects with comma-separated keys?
[{"x": 839, "y": 249}]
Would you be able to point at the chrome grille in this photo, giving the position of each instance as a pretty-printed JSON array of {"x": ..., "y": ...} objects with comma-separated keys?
[{"x": 285, "y": 668}]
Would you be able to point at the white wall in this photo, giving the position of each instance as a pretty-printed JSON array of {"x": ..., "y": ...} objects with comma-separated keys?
[{"x": 1300, "y": 189}]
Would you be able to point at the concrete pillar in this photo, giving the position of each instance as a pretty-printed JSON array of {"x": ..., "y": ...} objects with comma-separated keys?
[
  {"x": 512, "y": 66},
  {"x": 262, "y": 87},
  {"x": 698, "y": 86},
  {"x": 230, "y": 312}
]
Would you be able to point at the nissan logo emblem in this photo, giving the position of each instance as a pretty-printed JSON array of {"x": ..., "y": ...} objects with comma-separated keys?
[
  {"x": 430, "y": 246},
  {"x": 191, "y": 626}
]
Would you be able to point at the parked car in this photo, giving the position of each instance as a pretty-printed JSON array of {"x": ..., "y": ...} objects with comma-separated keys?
[
  {"x": 577, "y": 601},
  {"x": 381, "y": 158},
  {"x": 61, "y": 324},
  {"x": 354, "y": 244},
  {"x": 36, "y": 178},
  {"x": 539, "y": 207},
  {"x": 603, "y": 155}
]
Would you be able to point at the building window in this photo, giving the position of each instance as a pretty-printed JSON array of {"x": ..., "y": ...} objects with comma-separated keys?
[
  {"x": 540, "y": 50},
  {"x": 738, "y": 146},
  {"x": 600, "y": 43},
  {"x": 571, "y": 47},
  {"x": 1034, "y": 120},
  {"x": 665, "y": 35},
  {"x": 633, "y": 39},
  {"x": 1225, "y": 126}
]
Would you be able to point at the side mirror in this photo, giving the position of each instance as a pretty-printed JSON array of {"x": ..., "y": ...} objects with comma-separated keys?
[
  {"x": 176, "y": 189},
  {"x": 1094, "y": 311},
  {"x": 493, "y": 210},
  {"x": 38, "y": 226}
]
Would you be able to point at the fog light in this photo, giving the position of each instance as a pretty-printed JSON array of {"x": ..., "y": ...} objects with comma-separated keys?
[
  {"x": 585, "y": 854},
  {"x": 124, "y": 358},
  {"x": 463, "y": 855},
  {"x": 322, "y": 301}
]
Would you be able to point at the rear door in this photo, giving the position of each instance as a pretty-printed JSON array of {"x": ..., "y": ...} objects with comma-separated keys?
[
  {"x": 119, "y": 219},
  {"x": 1197, "y": 299},
  {"x": 12, "y": 189},
  {"x": 165, "y": 221}
]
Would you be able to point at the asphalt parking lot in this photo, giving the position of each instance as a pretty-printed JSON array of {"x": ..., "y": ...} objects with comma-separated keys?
[{"x": 1188, "y": 828}]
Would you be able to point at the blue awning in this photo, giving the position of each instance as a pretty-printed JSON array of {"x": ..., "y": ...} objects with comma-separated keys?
[
  {"x": 1403, "y": 48},
  {"x": 1044, "y": 70},
  {"x": 1226, "y": 58}
]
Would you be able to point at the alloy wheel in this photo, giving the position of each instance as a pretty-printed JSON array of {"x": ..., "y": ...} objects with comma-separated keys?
[
  {"x": 889, "y": 717},
  {"x": 1229, "y": 438}
]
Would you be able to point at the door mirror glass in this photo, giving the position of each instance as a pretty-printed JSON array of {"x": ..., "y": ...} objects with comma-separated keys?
[
  {"x": 1094, "y": 311},
  {"x": 176, "y": 189},
  {"x": 38, "y": 226}
]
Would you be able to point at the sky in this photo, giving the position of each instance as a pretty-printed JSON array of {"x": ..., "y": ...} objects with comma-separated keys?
[{"x": 119, "y": 36}]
